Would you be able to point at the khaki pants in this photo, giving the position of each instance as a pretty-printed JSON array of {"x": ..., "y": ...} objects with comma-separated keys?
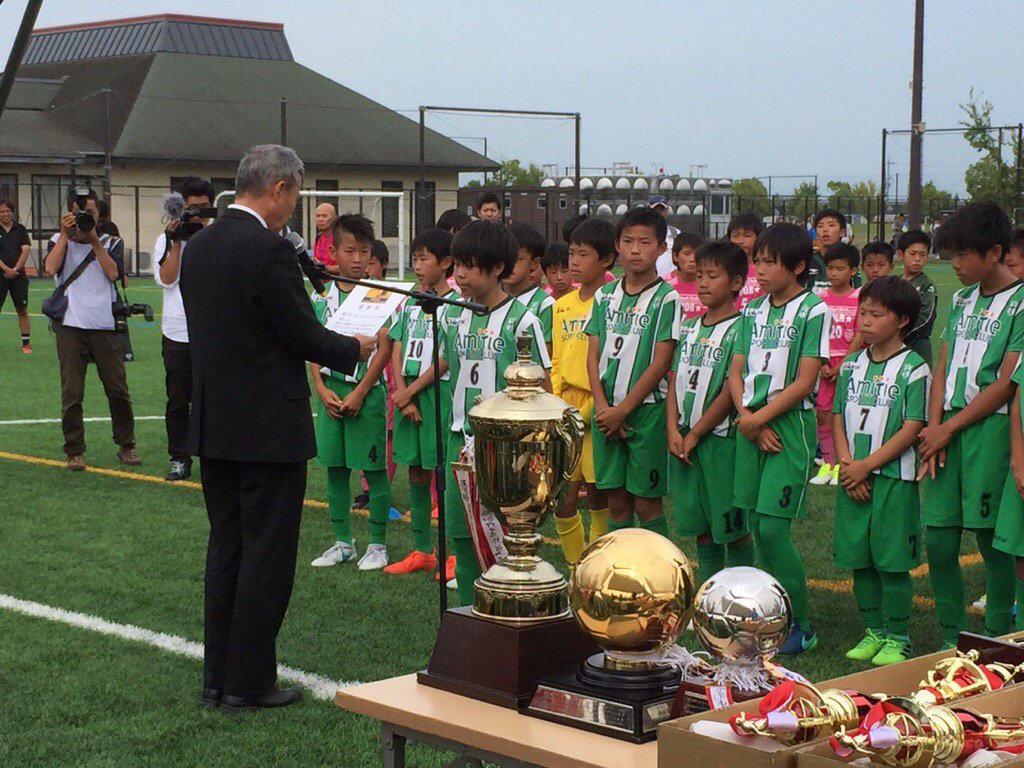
[{"x": 76, "y": 348}]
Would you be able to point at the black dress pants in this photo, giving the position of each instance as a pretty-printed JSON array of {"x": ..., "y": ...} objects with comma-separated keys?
[
  {"x": 178, "y": 383},
  {"x": 254, "y": 510}
]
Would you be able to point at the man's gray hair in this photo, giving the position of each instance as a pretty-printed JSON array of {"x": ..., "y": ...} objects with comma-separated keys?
[{"x": 264, "y": 166}]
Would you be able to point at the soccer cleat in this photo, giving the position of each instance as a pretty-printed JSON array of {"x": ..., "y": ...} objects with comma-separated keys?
[
  {"x": 980, "y": 603},
  {"x": 893, "y": 651},
  {"x": 26, "y": 349},
  {"x": 824, "y": 475},
  {"x": 868, "y": 647},
  {"x": 798, "y": 641},
  {"x": 75, "y": 463},
  {"x": 433, "y": 513},
  {"x": 833, "y": 478},
  {"x": 414, "y": 561},
  {"x": 449, "y": 569},
  {"x": 341, "y": 552},
  {"x": 374, "y": 558},
  {"x": 362, "y": 501},
  {"x": 180, "y": 470},
  {"x": 452, "y": 584}
]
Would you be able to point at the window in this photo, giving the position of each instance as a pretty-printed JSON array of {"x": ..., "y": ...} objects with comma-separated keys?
[
  {"x": 542, "y": 202},
  {"x": 563, "y": 203},
  {"x": 9, "y": 191},
  {"x": 425, "y": 205},
  {"x": 49, "y": 194},
  {"x": 389, "y": 209},
  {"x": 720, "y": 204},
  {"x": 327, "y": 185}
]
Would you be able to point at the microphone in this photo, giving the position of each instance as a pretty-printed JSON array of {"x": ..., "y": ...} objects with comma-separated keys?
[
  {"x": 314, "y": 272},
  {"x": 173, "y": 205}
]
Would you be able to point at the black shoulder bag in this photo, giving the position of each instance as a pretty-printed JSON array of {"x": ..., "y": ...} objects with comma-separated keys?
[{"x": 55, "y": 306}]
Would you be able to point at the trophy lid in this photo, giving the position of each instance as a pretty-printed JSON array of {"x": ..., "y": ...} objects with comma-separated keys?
[{"x": 524, "y": 397}]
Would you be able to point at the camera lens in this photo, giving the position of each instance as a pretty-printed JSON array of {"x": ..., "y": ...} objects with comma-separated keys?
[{"x": 84, "y": 221}]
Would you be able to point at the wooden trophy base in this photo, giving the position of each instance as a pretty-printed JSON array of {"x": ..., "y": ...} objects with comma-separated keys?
[{"x": 501, "y": 662}]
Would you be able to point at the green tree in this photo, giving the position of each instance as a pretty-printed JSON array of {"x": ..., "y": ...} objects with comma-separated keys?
[
  {"x": 750, "y": 196},
  {"x": 803, "y": 202},
  {"x": 513, "y": 174},
  {"x": 934, "y": 200},
  {"x": 994, "y": 175}
]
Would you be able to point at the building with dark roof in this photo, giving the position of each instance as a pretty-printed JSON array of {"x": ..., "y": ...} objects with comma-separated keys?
[{"x": 132, "y": 105}]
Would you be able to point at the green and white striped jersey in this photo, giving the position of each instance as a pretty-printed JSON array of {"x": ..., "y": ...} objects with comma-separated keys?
[
  {"x": 539, "y": 302},
  {"x": 876, "y": 398},
  {"x": 628, "y": 326},
  {"x": 979, "y": 332},
  {"x": 411, "y": 329},
  {"x": 478, "y": 349},
  {"x": 701, "y": 364},
  {"x": 773, "y": 339},
  {"x": 325, "y": 307}
]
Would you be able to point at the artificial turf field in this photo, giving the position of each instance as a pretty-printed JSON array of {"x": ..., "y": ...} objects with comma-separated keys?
[{"x": 120, "y": 544}]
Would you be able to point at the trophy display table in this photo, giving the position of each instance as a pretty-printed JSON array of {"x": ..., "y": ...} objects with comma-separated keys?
[{"x": 480, "y": 731}]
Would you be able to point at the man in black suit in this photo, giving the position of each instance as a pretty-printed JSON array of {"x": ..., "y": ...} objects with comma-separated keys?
[{"x": 251, "y": 328}]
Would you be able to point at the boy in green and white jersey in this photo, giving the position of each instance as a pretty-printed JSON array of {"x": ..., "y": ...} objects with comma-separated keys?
[
  {"x": 351, "y": 420},
  {"x": 1009, "y": 536},
  {"x": 878, "y": 410},
  {"x": 522, "y": 281},
  {"x": 476, "y": 351},
  {"x": 699, "y": 410},
  {"x": 415, "y": 430},
  {"x": 965, "y": 449},
  {"x": 783, "y": 341},
  {"x": 630, "y": 349}
]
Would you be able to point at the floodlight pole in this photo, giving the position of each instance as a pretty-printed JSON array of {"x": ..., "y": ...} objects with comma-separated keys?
[
  {"x": 881, "y": 191},
  {"x": 916, "y": 129}
]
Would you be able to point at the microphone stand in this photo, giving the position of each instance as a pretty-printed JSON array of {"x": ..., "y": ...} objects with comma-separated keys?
[{"x": 430, "y": 302}]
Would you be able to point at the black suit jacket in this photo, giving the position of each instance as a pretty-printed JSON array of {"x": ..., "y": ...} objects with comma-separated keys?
[{"x": 251, "y": 328}]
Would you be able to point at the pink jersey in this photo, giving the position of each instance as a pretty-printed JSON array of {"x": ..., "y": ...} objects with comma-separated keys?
[
  {"x": 751, "y": 289},
  {"x": 843, "y": 308},
  {"x": 688, "y": 301}
]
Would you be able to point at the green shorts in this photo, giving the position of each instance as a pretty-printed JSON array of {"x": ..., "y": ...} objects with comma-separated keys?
[
  {"x": 637, "y": 463},
  {"x": 702, "y": 492},
  {"x": 966, "y": 492},
  {"x": 355, "y": 442},
  {"x": 884, "y": 532},
  {"x": 775, "y": 484},
  {"x": 454, "y": 514},
  {"x": 1009, "y": 536},
  {"x": 415, "y": 444}
]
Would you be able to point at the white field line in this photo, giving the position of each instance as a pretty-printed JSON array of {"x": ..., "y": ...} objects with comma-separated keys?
[
  {"x": 319, "y": 686},
  {"x": 20, "y": 422}
]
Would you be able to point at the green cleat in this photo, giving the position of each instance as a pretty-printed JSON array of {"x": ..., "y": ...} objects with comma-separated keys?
[
  {"x": 868, "y": 647},
  {"x": 894, "y": 650}
]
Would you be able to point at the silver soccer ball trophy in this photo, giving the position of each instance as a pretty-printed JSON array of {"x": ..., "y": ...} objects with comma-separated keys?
[{"x": 742, "y": 615}]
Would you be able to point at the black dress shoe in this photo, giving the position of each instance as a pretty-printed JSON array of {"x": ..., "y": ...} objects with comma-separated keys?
[
  {"x": 275, "y": 697},
  {"x": 210, "y": 697}
]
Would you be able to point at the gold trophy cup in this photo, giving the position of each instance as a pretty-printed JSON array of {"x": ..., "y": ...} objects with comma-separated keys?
[
  {"x": 526, "y": 443},
  {"x": 961, "y": 676}
]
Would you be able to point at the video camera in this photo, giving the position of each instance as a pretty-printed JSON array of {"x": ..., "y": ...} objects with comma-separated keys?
[
  {"x": 189, "y": 219},
  {"x": 84, "y": 220}
]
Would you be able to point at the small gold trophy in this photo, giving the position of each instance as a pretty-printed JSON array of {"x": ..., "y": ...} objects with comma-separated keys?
[
  {"x": 961, "y": 676},
  {"x": 903, "y": 734},
  {"x": 526, "y": 443},
  {"x": 804, "y": 714}
]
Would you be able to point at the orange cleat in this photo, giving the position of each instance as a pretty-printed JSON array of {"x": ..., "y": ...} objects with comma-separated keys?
[
  {"x": 433, "y": 513},
  {"x": 449, "y": 569},
  {"x": 414, "y": 561}
]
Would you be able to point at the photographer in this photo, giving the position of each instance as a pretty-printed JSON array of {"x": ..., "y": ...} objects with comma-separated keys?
[
  {"x": 195, "y": 194},
  {"x": 89, "y": 264}
]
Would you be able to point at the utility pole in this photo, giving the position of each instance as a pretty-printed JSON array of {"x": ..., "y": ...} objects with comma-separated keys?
[
  {"x": 28, "y": 21},
  {"x": 916, "y": 125}
]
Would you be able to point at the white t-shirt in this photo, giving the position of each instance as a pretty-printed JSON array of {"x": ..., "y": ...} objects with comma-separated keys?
[
  {"x": 665, "y": 263},
  {"x": 172, "y": 321},
  {"x": 92, "y": 293}
]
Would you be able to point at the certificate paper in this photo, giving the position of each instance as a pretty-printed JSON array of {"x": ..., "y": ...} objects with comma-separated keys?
[{"x": 367, "y": 309}]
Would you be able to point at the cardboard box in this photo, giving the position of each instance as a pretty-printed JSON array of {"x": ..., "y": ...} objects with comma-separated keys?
[
  {"x": 1007, "y": 702},
  {"x": 678, "y": 745}
]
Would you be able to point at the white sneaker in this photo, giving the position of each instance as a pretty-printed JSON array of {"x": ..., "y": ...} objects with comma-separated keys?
[
  {"x": 452, "y": 584},
  {"x": 824, "y": 475},
  {"x": 980, "y": 603},
  {"x": 375, "y": 558},
  {"x": 341, "y": 552}
]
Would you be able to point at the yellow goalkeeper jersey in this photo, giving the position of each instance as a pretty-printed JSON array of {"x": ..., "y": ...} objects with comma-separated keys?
[{"x": 569, "y": 352}]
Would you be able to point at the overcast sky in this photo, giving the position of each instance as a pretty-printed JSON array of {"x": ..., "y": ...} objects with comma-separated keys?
[{"x": 746, "y": 86}]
